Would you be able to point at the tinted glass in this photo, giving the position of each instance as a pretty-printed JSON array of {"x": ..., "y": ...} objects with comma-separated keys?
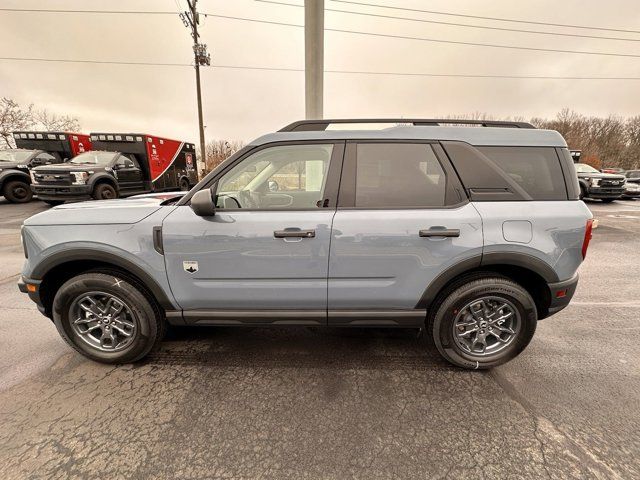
[
  {"x": 93, "y": 158},
  {"x": 15, "y": 155},
  {"x": 536, "y": 169},
  {"x": 291, "y": 176},
  {"x": 391, "y": 175}
]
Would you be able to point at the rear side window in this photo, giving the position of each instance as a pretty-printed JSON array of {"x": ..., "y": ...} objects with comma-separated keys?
[
  {"x": 390, "y": 175},
  {"x": 536, "y": 169}
]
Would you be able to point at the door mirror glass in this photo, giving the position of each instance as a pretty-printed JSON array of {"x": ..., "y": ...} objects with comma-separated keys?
[{"x": 202, "y": 203}]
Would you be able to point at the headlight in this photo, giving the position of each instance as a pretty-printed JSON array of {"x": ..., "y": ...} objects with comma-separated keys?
[
  {"x": 33, "y": 176},
  {"x": 80, "y": 178},
  {"x": 595, "y": 182}
]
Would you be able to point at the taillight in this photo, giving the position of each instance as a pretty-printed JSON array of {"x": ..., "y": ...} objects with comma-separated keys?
[{"x": 587, "y": 237}]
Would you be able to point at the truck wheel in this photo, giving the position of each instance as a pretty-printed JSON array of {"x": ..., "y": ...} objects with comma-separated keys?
[
  {"x": 107, "y": 318},
  {"x": 483, "y": 322},
  {"x": 104, "y": 191},
  {"x": 17, "y": 191},
  {"x": 184, "y": 185}
]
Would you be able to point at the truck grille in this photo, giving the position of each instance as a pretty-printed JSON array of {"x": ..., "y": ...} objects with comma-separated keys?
[
  {"x": 57, "y": 178},
  {"x": 608, "y": 183}
]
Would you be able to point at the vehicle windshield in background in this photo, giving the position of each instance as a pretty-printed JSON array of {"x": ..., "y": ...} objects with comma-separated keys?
[
  {"x": 15, "y": 155},
  {"x": 584, "y": 168},
  {"x": 633, "y": 174},
  {"x": 93, "y": 158}
]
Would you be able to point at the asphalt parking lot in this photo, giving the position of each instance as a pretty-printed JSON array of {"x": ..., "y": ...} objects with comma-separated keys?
[{"x": 332, "y": 404}]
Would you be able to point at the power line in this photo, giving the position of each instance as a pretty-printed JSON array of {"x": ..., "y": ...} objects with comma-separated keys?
[
  {"x": 109, "y": 12},
  {"x": 346, "y": 72},
  {"x": 437, "y": 22},
  {"x": 406, "y": 37},
  {"x": 497, "y": 19}
]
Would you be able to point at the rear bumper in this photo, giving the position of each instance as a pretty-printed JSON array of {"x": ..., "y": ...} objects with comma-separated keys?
[
  {"x": 561, "y": 294},
  {"x": 61, "y": 192},
  {"x": 34, "y": 294}
]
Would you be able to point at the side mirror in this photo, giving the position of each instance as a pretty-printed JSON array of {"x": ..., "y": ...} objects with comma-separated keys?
[{"x": 202, "y": 203}]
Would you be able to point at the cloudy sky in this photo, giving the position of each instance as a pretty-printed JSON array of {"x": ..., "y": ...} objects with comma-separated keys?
[{"x": 244, "y": 103}]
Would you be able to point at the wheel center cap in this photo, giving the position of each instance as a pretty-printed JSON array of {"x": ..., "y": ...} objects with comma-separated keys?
[{"x": 483, "y": 324}]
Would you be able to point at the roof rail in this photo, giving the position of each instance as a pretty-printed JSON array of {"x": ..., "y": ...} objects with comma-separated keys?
[{"x": 319, "y": 125}]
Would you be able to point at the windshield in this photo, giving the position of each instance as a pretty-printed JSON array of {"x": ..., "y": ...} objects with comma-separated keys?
[
  {"x": 15, "y": 155},
  {"x": 93, "y": 158},
  {"x": 584, "y": 168}
]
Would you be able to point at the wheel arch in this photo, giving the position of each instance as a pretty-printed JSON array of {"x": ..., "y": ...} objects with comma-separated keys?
[
  {"x": 57, "y": 269},
  {"x": 533, "y": 274},
  {"x": 10, "y": 175},
  {"x": 103, "y": 177}
]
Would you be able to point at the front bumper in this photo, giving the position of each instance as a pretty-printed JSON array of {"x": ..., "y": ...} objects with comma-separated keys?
[
  {"x": 61, "y": 192},
  {"x": 605, "y": 192},
  {"x": 32, "y": 288},
  {"x": 561, "y": 294}
]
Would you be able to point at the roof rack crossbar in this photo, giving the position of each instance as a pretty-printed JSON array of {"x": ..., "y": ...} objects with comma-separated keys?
[{"x": 319, "y": 125}]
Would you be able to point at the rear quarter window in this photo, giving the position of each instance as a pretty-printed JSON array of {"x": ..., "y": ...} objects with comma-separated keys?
[{"x": 536, "y": 169}]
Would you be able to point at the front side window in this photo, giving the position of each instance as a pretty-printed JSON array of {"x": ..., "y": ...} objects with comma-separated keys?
[
  {"x": 392, "y": 175},
  {"x": 289, "y": 176},
  {"x": 92, "y": 158}
]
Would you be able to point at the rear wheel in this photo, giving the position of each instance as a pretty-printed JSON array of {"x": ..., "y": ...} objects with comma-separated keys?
[
  {"x": 104, "y": 191},
  {"x": 483, "y": 322},
  {"x": 107, "y": 318},
  {"x": 17, "y": 191}
]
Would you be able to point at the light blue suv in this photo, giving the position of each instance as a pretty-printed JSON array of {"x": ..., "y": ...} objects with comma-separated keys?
[{"x": 472, "y": 230}]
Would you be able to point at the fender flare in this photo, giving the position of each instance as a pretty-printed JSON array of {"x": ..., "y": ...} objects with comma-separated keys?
[
  {"x": 516, "y": 259},
  {"x": 88, "y": 254},
  {"x": 13, "y": 172},
  {"x": 103, "y": 176}
]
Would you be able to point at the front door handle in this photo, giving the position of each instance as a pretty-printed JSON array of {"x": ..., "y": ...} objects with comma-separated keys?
[
  {"x": 294, "y": 233},
  {"x": 440, "y": 232}
]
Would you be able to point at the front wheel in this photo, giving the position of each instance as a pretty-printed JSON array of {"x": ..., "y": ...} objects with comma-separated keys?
[
  {"x": 107, "y": 318},
  {"x": 104, "y": 191},
  {"x": 484, "y": 322},
  {"x": 17, "y": 191}
]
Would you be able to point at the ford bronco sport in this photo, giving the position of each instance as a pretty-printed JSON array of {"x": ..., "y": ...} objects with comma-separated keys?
[{"x": 472, "y": 232}]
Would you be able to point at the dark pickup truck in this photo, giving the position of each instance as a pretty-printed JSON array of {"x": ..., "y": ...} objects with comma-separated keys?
[
  {"x": 597, "y": 185},
  {"x": 120, "y": 165}
]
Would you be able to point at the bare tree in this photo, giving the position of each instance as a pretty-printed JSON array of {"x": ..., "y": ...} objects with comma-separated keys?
[
  {"x": 13, "y": 117},
  {"x": 45, "y": 120},
  {"x": 217, "y": 151}
]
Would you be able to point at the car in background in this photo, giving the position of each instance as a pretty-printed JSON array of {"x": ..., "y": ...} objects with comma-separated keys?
[
  {"x": 632, "y": 187},
  {"x": 597, "y": 185},
  {"x": 615, "y": 170}
]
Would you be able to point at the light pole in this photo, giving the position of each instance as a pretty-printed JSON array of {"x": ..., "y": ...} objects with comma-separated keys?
[{"x": 313, "y": 58}]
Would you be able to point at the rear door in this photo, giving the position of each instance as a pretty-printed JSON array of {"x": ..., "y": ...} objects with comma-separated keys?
[
  {"x": 129, "y": 173},
  {"x": 402, "y": 219}
]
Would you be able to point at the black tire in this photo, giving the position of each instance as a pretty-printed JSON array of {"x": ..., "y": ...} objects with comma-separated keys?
[
  {"x": 608, "y": 200},
  {"x": 461, "y": 294},
  {"x": 583, "y": 192},
  {"x": 184, "y": 185},
  {"x": 53, "y": 203},
  {"x": 17, "y": 191},
  {"x": 104, "y": 191},
  {"x": 144, "y": 314}
]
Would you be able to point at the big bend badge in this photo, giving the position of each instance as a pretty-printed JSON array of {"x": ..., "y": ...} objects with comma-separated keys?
[{"x": 190, "y": 266}]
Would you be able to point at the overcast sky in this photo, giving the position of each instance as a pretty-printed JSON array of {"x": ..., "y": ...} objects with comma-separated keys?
[{"x": 242, "y": 104}]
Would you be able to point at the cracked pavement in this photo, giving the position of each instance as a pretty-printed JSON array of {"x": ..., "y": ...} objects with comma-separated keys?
[{"x": 307, "y": 403}]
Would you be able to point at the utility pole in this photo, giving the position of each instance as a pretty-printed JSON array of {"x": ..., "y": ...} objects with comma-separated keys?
[
  {"x": 313, "y": 58},
  {"x": 192, "y": 19}
]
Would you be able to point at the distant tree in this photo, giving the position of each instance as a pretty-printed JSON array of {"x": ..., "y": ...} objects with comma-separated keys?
[
  {"x": 15, "y": 117},
  {"x": 217, "y": 151}
]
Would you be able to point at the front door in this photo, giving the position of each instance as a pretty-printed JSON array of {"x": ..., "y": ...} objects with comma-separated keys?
[
  {"x": 402, "y": 220},
  {"x": 129, "y": 174},
  {"x": 263, "y": 257}
]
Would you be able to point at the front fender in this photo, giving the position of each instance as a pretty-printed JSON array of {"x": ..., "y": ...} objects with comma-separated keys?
[
  {"x": 13, "y": 173},
  {"x": 102, "y": 176}
]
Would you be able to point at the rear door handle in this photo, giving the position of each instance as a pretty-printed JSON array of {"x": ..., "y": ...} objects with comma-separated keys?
[
  {"x": 440, "y": 232},
  {"x": 294, "y": 233}
]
